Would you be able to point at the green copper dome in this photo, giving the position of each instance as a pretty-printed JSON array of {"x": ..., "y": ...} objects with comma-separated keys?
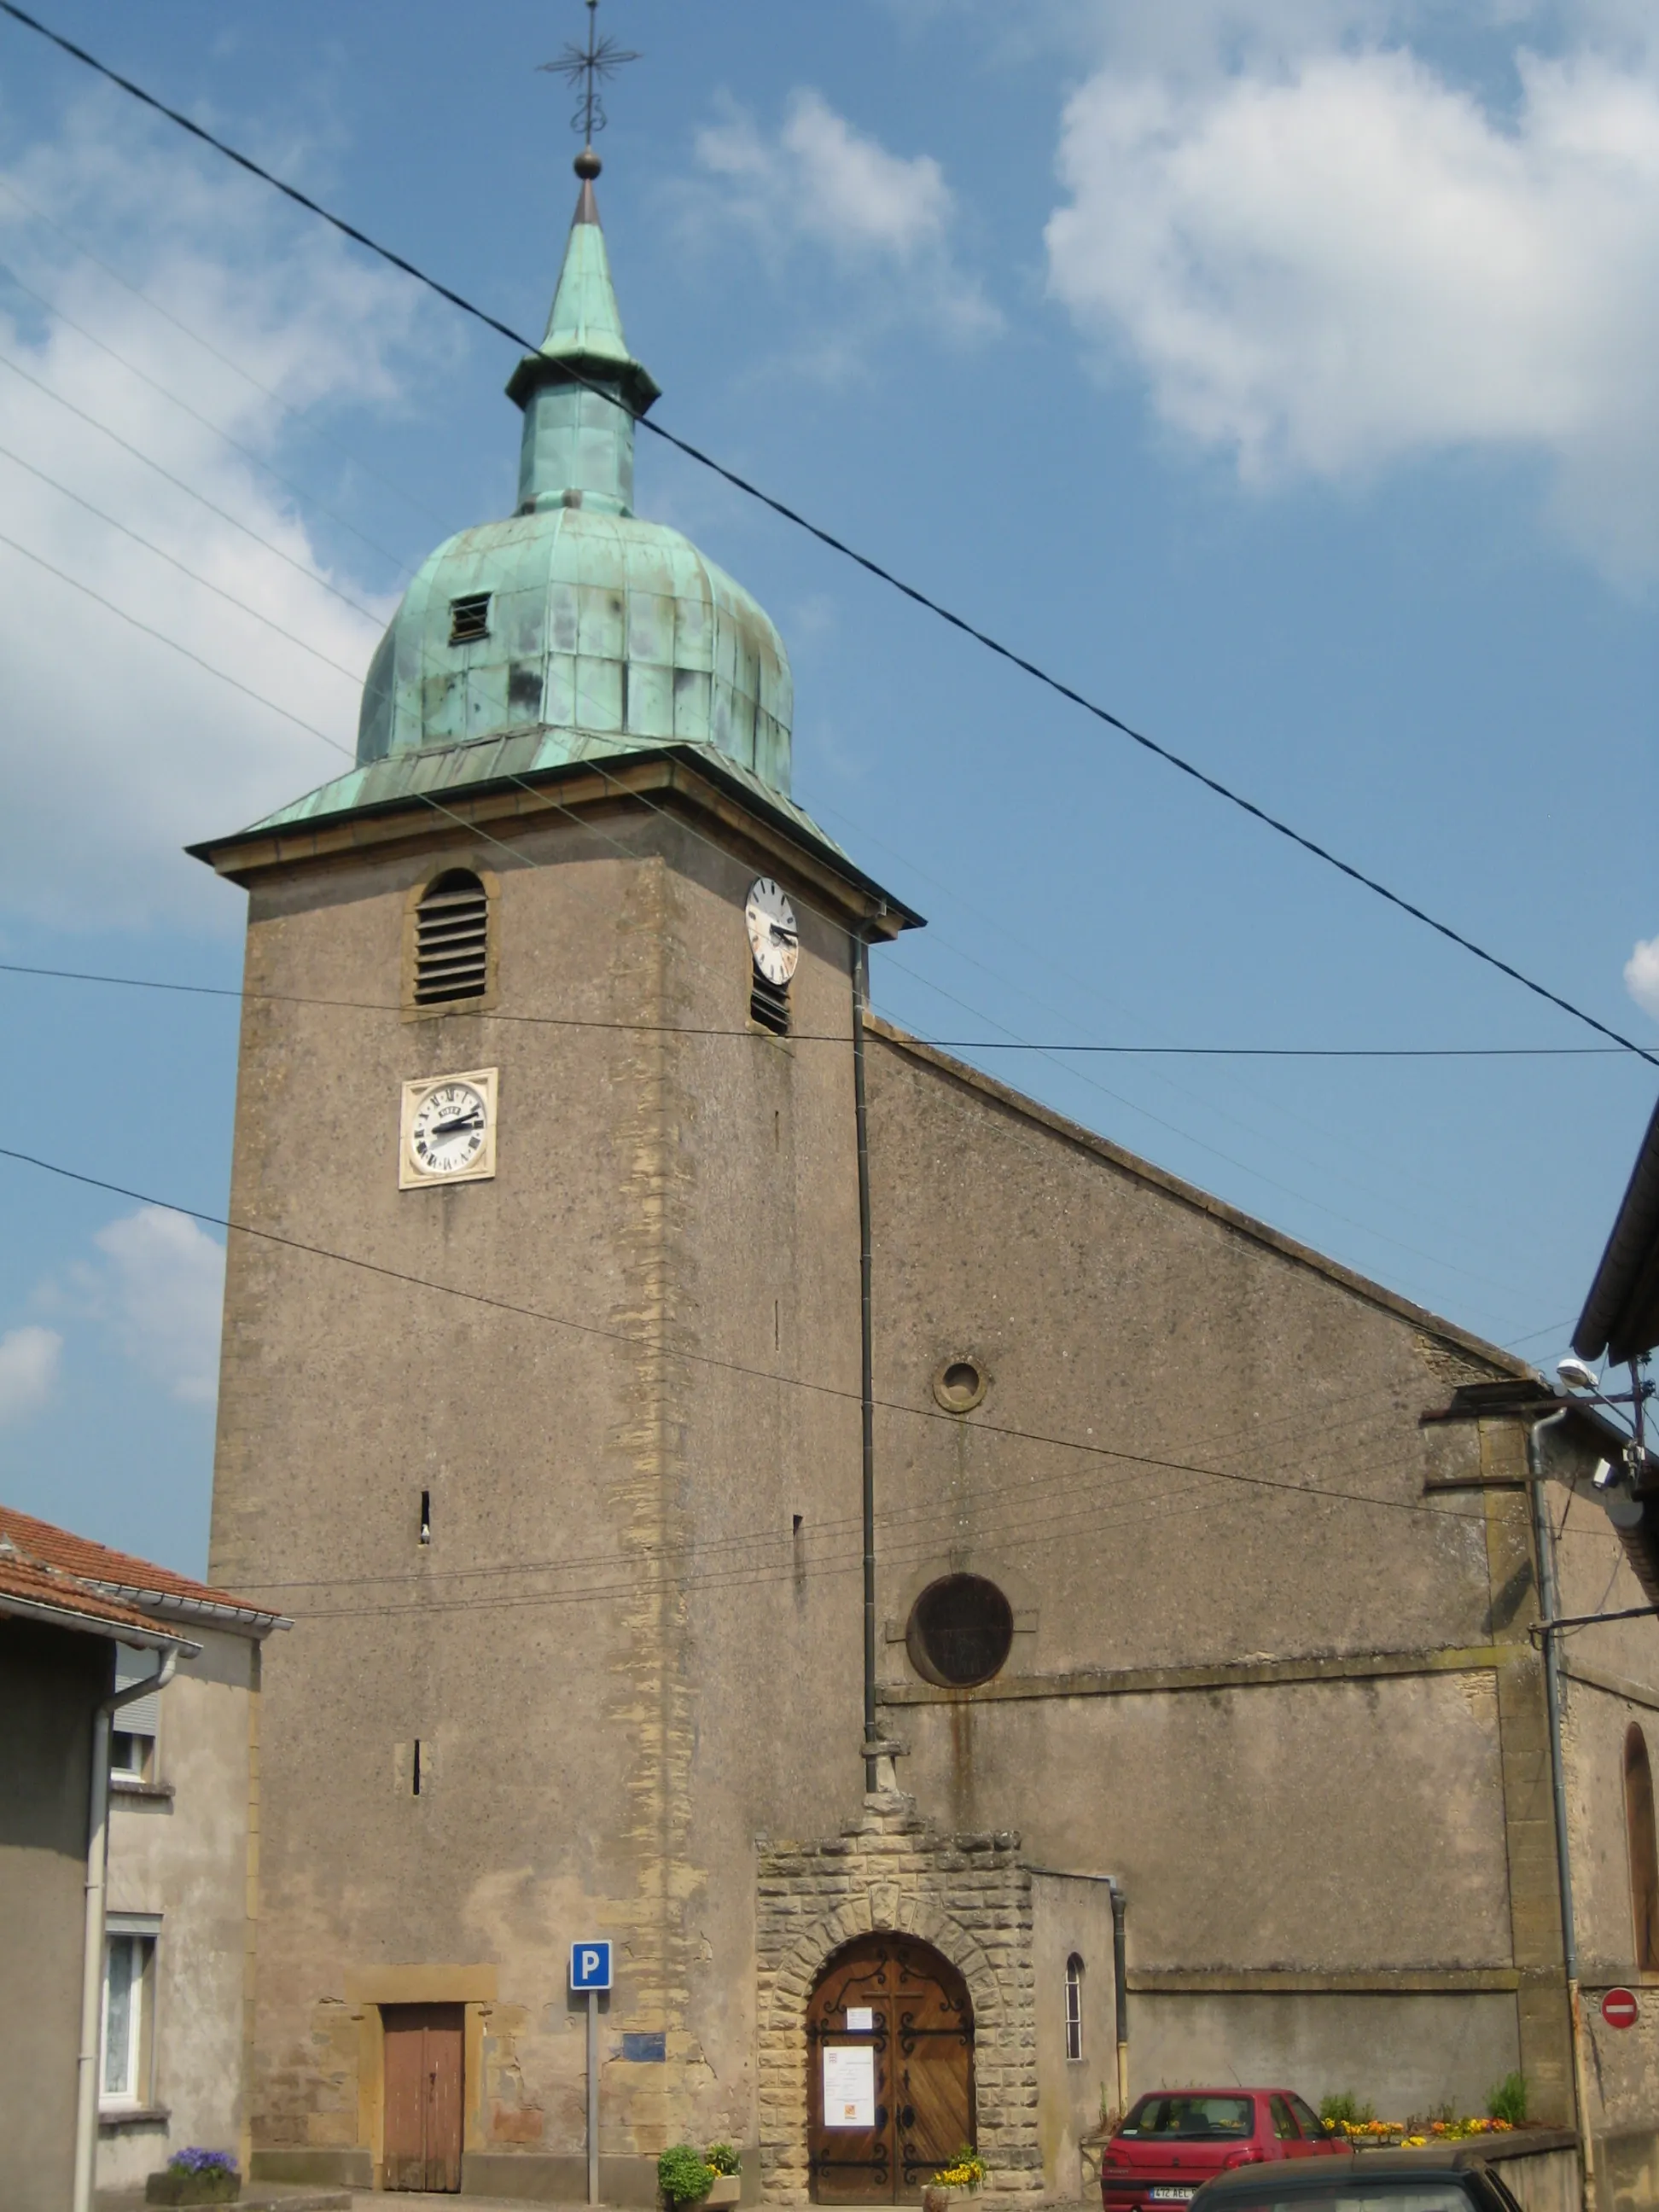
[{"x": 574, "y": 621}]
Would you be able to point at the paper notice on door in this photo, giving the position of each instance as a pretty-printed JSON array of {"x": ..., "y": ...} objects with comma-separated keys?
[
  {"x": 849, "y": 2086},
  {"x": 861, "y": 2020}
]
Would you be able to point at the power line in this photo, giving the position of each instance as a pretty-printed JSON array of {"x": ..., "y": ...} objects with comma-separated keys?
[
  {"x": 919, "y": 598},
  {"x": 311, "y": 575},
  {"x": 196, "y": 415},
  {"x": 840, "y": 1036},
  {"x": 657, "y": 1347},
  {"x": 218, "y": 590}
]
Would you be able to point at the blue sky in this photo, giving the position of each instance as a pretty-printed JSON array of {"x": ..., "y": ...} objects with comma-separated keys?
[{"x": 1278, "y": 373}]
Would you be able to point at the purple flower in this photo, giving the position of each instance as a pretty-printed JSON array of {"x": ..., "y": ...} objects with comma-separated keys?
[{"x": 202, "y": 2162}]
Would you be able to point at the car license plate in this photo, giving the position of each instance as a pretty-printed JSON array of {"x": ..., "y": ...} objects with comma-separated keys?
[{"x": 1172, "y": 2195}]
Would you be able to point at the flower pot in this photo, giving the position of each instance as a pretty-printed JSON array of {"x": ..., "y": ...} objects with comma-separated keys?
[
  {"x": 935, "y": 2199},
  {"x": 727, "y": 2188}
]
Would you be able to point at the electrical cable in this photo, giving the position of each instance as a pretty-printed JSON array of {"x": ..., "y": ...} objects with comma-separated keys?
[
  {"x": 196, "y": 415},
  {"x": 173, "y": 561},
  {"x": 519, "y": 859},
  {"x": 237, "y": 368},
  {"x": 311, "y": 575},
  {"x": 1033, "y": 669},
  {"x": 834, "y": 1036},
  {"x": 667, "y": 1351}
]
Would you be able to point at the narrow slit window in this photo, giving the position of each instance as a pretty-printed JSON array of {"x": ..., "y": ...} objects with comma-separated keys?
[
  {"x": 469, "y": 618},
  {"x": 452, "y": 940},
  {"x": 1639, "y": 1828},
  {"x": 416, "y": 1776},
  {"x": 426, "y": 1517},
  {"x": 1074, "y": 2007}
]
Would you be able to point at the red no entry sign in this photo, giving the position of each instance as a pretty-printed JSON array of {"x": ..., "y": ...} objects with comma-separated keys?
[{"x": 1619, "y": 2009}]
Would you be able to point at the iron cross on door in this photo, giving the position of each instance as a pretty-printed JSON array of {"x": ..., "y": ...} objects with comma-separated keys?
[{"x": 889, "y": 2034}]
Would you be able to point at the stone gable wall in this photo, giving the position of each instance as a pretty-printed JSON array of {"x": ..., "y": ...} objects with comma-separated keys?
[{"x": 970, "y": 1897}]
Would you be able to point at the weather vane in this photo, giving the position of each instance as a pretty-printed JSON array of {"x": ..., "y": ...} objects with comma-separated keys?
[{"x": 585, "y": 69}]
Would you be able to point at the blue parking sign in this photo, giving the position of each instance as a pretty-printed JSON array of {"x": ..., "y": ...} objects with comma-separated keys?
[{"x": 590, "y": 1965}]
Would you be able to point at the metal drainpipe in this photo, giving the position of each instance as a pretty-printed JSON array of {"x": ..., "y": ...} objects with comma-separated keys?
[
  {"x": 1549, "y": 1598},
  {"x": 92, "y": 1960},
  {"x": 866, "y": 1352},
  {"x": 1120, "y": 1993}
]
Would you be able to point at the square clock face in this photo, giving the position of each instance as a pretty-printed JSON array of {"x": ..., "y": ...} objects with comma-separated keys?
[{"x": 448, "y": 1133}]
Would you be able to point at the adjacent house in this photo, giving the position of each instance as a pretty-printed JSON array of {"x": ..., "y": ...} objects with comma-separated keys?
[{"x": 81, "y": 1625}]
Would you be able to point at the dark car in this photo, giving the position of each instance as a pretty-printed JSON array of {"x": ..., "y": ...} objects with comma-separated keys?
[
  {"x": 1454, "y": 2177},
  {"x": 1176, "y": 2140}
]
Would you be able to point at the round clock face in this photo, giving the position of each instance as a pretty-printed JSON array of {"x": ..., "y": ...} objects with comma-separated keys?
[
  {"x": 772, "y": 936},
  {"x": 448, "y": 1131}
]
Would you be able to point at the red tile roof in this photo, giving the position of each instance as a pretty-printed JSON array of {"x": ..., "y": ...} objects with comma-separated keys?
[
  {"x": 112, "y": 1576},
  {"x": 44, "y": 1587}
]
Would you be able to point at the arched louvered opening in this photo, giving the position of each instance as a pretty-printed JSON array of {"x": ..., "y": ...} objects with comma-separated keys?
[
  {"x": 1644, "y": 1849},
  {"x": 451, "y": 939}
]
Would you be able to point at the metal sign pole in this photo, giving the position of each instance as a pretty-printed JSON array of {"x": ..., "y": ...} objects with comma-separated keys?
[{"x": 593, "y": 2096}]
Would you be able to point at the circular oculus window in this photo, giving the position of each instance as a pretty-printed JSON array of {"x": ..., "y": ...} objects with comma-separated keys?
[
  {"x": 961, "y": 1632},
  {"x": 960, "y": 1384}
]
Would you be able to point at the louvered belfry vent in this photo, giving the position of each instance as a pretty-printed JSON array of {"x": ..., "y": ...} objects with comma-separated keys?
[
  {"x": 452, "y": 940},
  {"x": 469, "y": 617}
]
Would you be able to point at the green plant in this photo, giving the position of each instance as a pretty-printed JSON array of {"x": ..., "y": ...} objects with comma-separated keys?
[
  {"x": 1343, "y": 2109},
  {"x": 722, "y": 2158},
  {"x": 683, "y": 2177},
  {"x": 1507, "y": 2101},
  {"x": 965, "y": 2171}
]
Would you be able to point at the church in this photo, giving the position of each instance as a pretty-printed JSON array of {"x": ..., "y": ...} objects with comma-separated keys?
[{"x": 978, "y": 1626}]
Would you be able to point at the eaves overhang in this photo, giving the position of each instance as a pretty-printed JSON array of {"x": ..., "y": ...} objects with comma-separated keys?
[
  {"x": 478, "y": 786},
  {"x": 1620, "y": 1318},
  {"x": 141, "y": 1635}
]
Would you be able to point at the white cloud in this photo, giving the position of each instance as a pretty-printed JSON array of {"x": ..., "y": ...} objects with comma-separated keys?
[
  {"x": 1642, "y": 975},
  {"x": 114, "y": 749},
  {"x": 162, "y": 1290},
  {"x": 28, "y": 1369},
  {"x": 1326, "y": 259},
  {"x": 885, "y": 218}
]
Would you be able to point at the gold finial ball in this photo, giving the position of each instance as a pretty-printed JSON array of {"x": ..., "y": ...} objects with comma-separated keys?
[{"x": 587, "y": 165}]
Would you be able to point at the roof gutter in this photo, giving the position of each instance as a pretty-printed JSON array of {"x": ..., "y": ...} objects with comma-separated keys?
[
  {"x": 92, "y": 1624},
  {"x": 91, "y": 1954}
]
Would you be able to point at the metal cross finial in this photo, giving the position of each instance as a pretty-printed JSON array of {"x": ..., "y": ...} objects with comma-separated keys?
[{"x": 585, "y": 69}]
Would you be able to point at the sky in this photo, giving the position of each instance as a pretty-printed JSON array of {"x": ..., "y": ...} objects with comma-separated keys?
[{"x": 1276, "y": 373}]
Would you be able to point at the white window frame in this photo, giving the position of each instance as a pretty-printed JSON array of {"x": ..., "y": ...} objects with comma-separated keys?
[
  {"x": 1074, "y": 1971},
  {"x": 139, "y": 1934}
]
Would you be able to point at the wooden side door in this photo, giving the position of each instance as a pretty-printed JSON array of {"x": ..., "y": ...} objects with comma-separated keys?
[
  {"x": 890, "y": 2066},
  {"x": 422, "y": 2078}
]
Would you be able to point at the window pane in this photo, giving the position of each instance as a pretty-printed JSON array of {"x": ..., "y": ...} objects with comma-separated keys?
[
  {"x": 1312, "y": 2126},
  {"x": 120, "y": 2014},
  {"x": 1190, "y": 2119}
]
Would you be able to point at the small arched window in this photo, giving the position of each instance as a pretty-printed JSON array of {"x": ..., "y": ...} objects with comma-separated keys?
[
  {"x": 1074, "y": 2006},
  {"x": 1644, "y": 1850},
  {"x": 452, "y": 940}
]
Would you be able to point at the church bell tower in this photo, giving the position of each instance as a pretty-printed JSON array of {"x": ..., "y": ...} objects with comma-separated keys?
[{"x": 541, "y": 1394}]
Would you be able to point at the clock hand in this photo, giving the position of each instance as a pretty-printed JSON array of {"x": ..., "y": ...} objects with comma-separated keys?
[
  {"x": 449, "y": 1128},
  {"x": 784, "y": 936}
]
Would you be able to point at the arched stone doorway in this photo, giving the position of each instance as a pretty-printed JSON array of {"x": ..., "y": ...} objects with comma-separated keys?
[{"x": 889, "y": 2037}]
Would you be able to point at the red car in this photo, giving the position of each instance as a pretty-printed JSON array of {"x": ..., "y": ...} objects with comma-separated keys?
[{"x": 1174, "y": 2141}]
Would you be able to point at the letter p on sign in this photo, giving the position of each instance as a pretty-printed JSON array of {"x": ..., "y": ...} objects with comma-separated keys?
[{"x": 589, "y": 1963}]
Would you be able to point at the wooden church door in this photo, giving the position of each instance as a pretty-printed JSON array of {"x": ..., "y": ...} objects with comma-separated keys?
[
  {"x": 889, "y": 2039},
  {"x": 422, "y": 2078}
]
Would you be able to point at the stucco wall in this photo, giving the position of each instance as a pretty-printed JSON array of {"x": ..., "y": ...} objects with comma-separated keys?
[
  {"x": 50, "y": 1682},
  {"x": 619, "y": 1654},
  {"x": 1071, "y": 1915},
  {"x": 184, "y": 1856}
]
